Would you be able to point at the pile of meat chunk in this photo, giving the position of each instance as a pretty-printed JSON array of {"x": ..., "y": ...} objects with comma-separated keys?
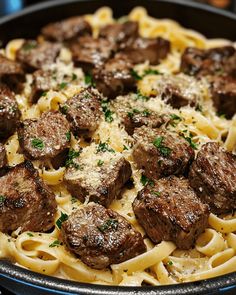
[{"x": 181, "y": 186}]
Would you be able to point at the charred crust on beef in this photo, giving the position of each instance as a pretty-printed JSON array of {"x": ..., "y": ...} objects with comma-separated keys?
[
  {"x": 213, "y": 176},
  {"x": 44, "y": 138},
  {"x": 9, "y": 112},
  {"x": 170, "y": 210},
  {"x": 121, "y": 34},
  {"x": 28, "y": 202},
  {"x": 87, "y": 180},
  {"x": 11, "y": 73},
  {"x": 114, "y": 77},
  {"x": 101, "y": 237},
  {"x": 88, "y": 52},
  {"x": 83, "y": 111},
  {"x": 67, "y": 30},
  {"x": 161, "y": 153},
  {"x": 147, "y": 49},
  {"x": 33, "y": 55}
]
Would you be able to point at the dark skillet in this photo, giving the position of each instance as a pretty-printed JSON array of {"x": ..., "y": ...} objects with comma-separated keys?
[{"x": 211, "y": 22}]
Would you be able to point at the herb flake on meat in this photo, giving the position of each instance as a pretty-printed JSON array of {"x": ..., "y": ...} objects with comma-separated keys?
[
  {"x": 68, "y": 136},
  {"x": 37, "y": 143},
  {"x": 61, "y": 219},
  {"x": 2, "y": 199},
  {"x": 164, "y": 150},
  {"x": 145, "y": 180},
  {"x": 108, "y": 224},
  {"x": 135, "y": 75},
  {"x": 88, "y": 79},
  {"x": 191, "y": 142},
  {"x": 70, "y": 159},
  {"x": 107, "y": 112}
]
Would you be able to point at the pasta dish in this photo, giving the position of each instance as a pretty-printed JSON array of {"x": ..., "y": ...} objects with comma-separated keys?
[{"x": 118, "y": 142}]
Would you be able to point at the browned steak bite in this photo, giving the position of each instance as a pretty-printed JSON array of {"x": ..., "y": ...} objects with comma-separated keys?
[
  {"x": 3, "y": 156},
  {"x": 98, "y": 174},
  {"x": 11, "y": 73},
  {"x": 83, "y": 111},
  {"x": 25, "y": 201},
  {"x": 137, "y": 118},
  {"x": 89, "y": 52},
  {"x": 46, "y": 137},
  {"x": 170, "y": 210},
  {"x": 147, "y": 49},
  {"x": 67, "y": 29},
  {"x": 114, "y": 77},
  {"x": 213, "y": 176},
  {"x": 9, "y": 112},
  {"x": 101, "y": 237},
  {"x": 223, "y": 91},
  {"x": 219, "y": 60},
  {"x": 122, "y": 34},
  {"x": 42, "y": 82},
  {"x": 161, "y": 153},
  {"x": 35, "y": 55}
]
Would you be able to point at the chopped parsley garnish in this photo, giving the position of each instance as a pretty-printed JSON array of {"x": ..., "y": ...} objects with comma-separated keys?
[
  {"x": 56, "y": 243},
  {"x": 139, "y": 95},
  {"x": 37, "y": 143},
  {"x": 198, "y": 108},
  {"x": 61, "y": 219},
  {"x": 30, "y": 234},
  {"x": 110, "y": 223},
  {"x": 44, "y": 93},
  {"x": 191, "y": 142},
  {"x": 74, "y": 77},
  {"x": 63, "y": 85},
  {"x": 170, "y": 263},
  {"x": 151, "y": 72},
  {"x": 64, "y": 109},
  {"x": 103, "y": 147},
  {"x": 100, "y": 163},
  {"x": 125, "y": 148},
  {"x": 2, "y": 199},
  {"x": 68, "y": 136},
  {"x": 70, "y": 159},
  {"x": 88, "y": 79},
  {"x": 175, "y": 117},
  {"x": 29, "y": 45},
  {"x": 145, "y": 180},
  {"x": 135, "y": 75},
  {"x": 134, "y": 111},
  {"x": 164, "y": 150},
  {"x": 146, "y": 113},
  {"x": 157, "y": 194},
  {"x": 107, "y": 112}
]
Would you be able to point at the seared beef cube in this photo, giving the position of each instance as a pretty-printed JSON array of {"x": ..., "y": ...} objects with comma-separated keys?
[
  {"x": 26, "y": 201},
  {"x": 9, "y": 112},
  {"x": 223, "y": 90},
  {"x": 42, "y": 82},
  {"x": 137, "y": 118},
  {"x": 67, "y": 29},
  {"x": 114, "y": 77},
  {"x": 161, "y": 152},
  {"x": 147, "y": 49},
  {"x": 35, "y": 55},
  {"x": 97, "y": 175},
  {"x": 213, "y": 176},
  {"x": 3, "y": 156},
  {"x": 11, "y": 73},
  {"x": 89, "y": 52},
  {"x": 170, "y": 210},
  {"x": 198, "y": 62},
  {"x": 46, "y": 137},
  {"x": 122, "y": 34},
  {"x": 83, "y": 111},
  {"x": 100, "y": 237}
]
